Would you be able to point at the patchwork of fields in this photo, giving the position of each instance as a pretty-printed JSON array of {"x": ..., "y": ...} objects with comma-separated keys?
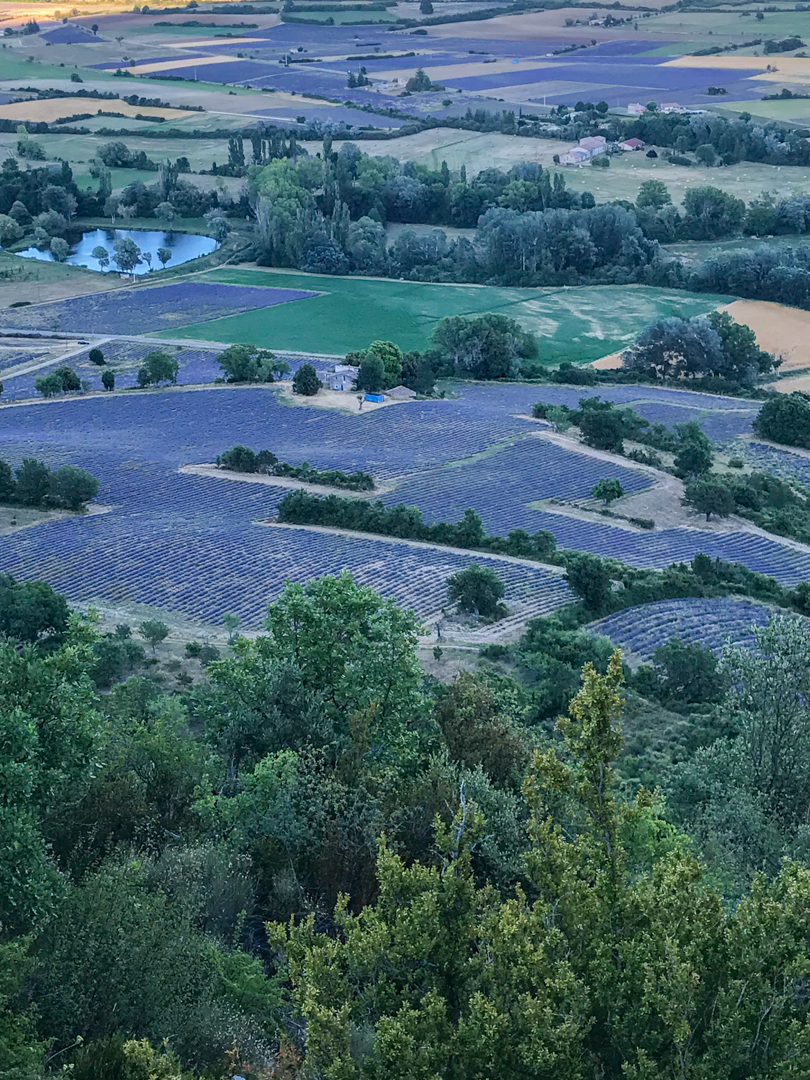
[{"x": 197, "y": 546}]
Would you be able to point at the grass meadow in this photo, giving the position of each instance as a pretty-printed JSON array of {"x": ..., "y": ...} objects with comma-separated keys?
[{"x": 575, "y": 324}]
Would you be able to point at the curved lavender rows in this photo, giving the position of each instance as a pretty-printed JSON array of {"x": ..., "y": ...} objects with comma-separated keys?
[{"x": 641, "y": 630}]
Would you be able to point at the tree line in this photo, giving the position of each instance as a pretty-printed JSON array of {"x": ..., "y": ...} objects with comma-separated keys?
[
  {"x": 243, "y": 459},
  {"x": 33, "y": 483}
]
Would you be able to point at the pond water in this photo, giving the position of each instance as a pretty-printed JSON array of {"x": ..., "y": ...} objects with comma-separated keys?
[{"x": 183, "y": 246}]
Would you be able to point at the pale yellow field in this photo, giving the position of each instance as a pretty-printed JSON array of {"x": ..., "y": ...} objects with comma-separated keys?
[
  {"x": 790, "y": 65},
  {"x": 536, "y": 26},
  {"x": 52, "y": 108},
  {"x": 174, "y": 65},
  {"x": 459, "y": 71},
  {"x": 195, "y": 43},
  {"x": 783, "y": 331}
]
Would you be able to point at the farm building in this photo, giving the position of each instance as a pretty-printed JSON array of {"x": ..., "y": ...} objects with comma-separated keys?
[
  {"x": 635, "y": 108},
  {"x": 341, "y": 377},
  {"x": 588, "y": 148},
  {"x": 575, "y": 156},
  {"x": 401, "y": 393},
  {"x": 671, "y": 107},
  {"x": 631, "y": 144}
]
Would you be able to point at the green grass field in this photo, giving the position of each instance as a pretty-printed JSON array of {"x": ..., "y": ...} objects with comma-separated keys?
[{"x": 576, "y": 324}]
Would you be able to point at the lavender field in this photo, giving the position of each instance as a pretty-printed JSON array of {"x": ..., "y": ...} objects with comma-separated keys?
[
  {"x": 712, "y": 623},
  {"x": 147, "y": 310},
  {"x": 198, "y": 545}
]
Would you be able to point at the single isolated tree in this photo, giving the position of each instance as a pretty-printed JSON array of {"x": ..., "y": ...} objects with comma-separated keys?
[
  {"x": 164, "y": 254},
  {"x": 166, "y": 215},
  {"x": 231, "y": 623},
  {"x": 608, "y": 490},
  {"x": 153, "y": 631},
  {"x": 306, "y": 381},
  {"x": 60, "y": 249},
  {"x": 479, "y": 591},
  {"x": 96, "y": 356},
  {"x": 108, "y": 379}
]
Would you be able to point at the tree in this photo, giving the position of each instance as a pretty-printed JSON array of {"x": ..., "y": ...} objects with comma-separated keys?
[
  {"x": 246, "y": 363},
  {"x": 127, "y": 255},
  {"x": 426, "y": 7},
  {"x": 371, "y": 374},
  {"x": 709, "y": 497},
  {"x": 694, "y": 455},
  {"x": 96, "y": 356},
  {"x": 706, "y": 154},
  {"x": 479, "y": 591},
  {"x": 306, "y": 381},
  {"x": 675, "y": 348},
  {"x": 60, "y": 249},
  {"x": 711, "y": 214},
  {"x": 10, "y": 230},
  {"x": 687, "y": 673},
  {"x": 33, "y": 481},
  {"x": 218, "y": 224},
  {"x": 111, "y": 208},
  {"x": 590, "y": 579},
  {"x": 653, "y": 195},
  {"x": 485, "y": 347},
  {"x": 153, "y": 632},
  {"x": 391, "y": 356},
  {"x": 157, "y": 367},
  {"x": 164, "y": 254},
  {"x": 602, "y": 428},
  {"x": 72, "y": 487},
  {"x": 102, "y": 256},
  {"x": 239, "y": 459},
  {"x": 7, "y": 487},
  {"x": 108, "y": 379},
  {"x": 231, "y": 623},
  {"x": 166, "y": 215},
  {"x": 48, "y": 385},
  {"x": 785, "y": 418},
  {"x": 607, "y": 490}
]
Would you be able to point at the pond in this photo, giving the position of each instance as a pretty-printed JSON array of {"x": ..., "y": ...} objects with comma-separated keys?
[{"x": 183, "y": 246}]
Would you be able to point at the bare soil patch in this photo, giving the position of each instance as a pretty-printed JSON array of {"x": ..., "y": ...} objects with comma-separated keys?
[
  {"x": 14, "y": 518},
  {"x": 608, "y": 363},
  {"x": 53, "y": 108},
  {"x": 283, "y": 482}
]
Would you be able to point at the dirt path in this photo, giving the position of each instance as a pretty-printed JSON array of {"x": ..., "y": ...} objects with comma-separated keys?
[{"x": 284, "y": 482}]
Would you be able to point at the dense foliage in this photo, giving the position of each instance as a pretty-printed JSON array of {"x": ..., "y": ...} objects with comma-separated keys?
[{"x": 243, "y": 459}]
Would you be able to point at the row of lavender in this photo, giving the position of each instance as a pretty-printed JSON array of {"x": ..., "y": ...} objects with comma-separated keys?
[{"x": 713, "y": 623}]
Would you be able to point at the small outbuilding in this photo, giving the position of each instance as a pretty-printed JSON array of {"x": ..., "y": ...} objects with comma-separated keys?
[
  {"x": 632, "y": 144},
  {"x": 401, "y": 393}
]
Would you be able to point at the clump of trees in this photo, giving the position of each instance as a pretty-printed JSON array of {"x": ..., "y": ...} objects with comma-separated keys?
[
  {"x": 706, "y": 347},
  {"x": 249, "y": 364},
  {"x": 33, "y": 483},
  {"x": 63, "y": 380},
  {"x": 243, "y": 459}
]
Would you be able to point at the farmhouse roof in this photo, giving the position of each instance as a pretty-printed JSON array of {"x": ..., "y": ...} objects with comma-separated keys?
[
  {"x": 632, "y": 144},
  {"x": 401, "y": 393},
  {"x": 593, "y": 142}
]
